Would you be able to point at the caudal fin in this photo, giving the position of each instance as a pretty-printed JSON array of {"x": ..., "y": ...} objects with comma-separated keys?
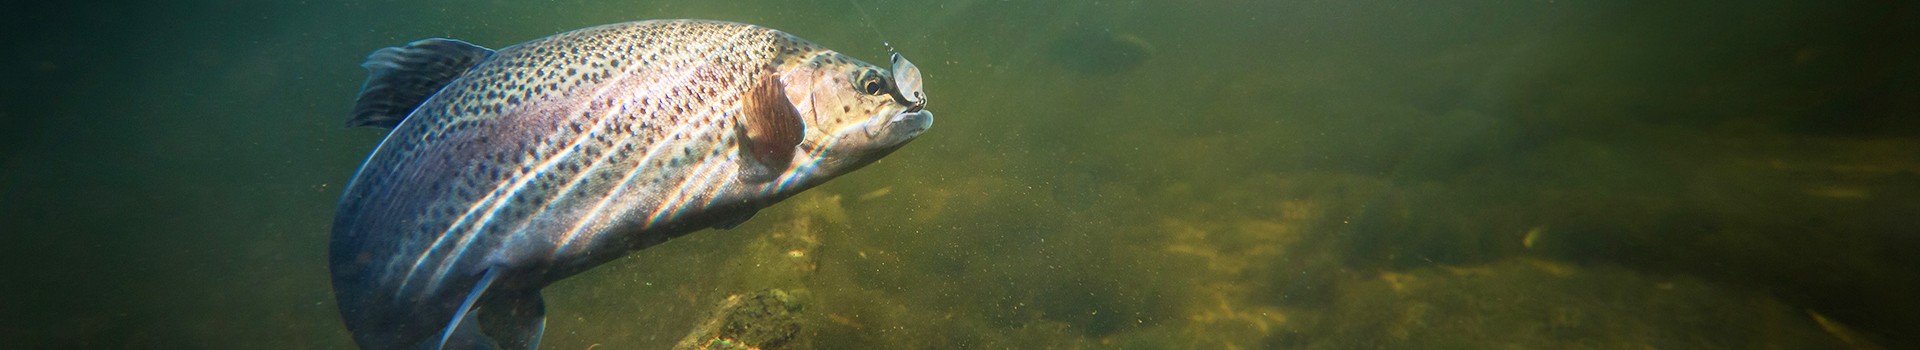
[{"x": 400, "y": 78}]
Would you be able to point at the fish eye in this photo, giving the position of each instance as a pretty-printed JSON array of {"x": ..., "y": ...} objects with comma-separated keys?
[{"x": 871, "y": 82}]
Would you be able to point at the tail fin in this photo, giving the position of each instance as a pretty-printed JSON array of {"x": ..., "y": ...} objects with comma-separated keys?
[{"x": 400, "y": 78}]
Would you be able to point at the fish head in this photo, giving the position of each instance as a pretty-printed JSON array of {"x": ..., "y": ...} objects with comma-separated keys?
[{"x": 855, "y": 112}]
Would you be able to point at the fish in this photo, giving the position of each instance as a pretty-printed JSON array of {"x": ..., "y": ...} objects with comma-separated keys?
[{"x": 507, "y": 170}]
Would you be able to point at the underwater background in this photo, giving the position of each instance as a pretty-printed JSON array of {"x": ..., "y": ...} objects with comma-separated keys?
[{"x": 1232, "y": 174}]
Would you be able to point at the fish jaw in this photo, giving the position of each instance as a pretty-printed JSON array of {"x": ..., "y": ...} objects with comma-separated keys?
[
  {"x": 890, "y": 133},
  {"x": 907, "y": 126}
]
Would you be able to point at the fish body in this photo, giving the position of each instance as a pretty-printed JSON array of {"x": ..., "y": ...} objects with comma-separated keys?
[{"x": 508, "y": 170}]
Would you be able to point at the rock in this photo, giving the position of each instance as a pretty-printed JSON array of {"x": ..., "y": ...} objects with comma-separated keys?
[{"x": 767, "y": 319}]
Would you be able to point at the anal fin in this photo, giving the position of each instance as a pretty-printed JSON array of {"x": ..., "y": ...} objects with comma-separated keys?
[
  {"x": 494, "y": 317},
  {"x": 515, "y": 321},
  {"x": 460, "y": 332},
  {"x": 400, "y": 78}
]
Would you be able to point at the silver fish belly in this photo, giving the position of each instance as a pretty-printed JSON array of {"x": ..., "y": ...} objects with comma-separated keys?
[{"x": 508, "y": 170}]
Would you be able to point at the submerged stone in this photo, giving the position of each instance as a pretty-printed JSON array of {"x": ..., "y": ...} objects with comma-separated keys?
[{"x": 766, "y": 319}]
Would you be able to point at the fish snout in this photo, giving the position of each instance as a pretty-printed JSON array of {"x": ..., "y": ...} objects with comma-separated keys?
[{"x": 910, "y": 124}]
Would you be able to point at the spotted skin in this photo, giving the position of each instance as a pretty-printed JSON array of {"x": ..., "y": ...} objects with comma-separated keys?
[{"x": 565, "y": 152}]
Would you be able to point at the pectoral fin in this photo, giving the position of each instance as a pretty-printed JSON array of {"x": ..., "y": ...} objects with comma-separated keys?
[{"x": 769, "y": 129}]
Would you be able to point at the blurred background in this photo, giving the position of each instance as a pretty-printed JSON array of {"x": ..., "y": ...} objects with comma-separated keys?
[{"x": 1104, "y": 174}]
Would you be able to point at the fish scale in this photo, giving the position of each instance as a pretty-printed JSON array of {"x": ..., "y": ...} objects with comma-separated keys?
[{"x": 544, "y": 159}]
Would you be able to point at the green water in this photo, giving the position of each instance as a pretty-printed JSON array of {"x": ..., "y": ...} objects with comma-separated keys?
[{"x": 1103, "y": 174}]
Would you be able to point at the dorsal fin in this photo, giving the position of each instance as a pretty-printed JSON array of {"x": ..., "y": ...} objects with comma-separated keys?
[
  {"x": 400, "y": 78},
  {"x": 770, "y": 128}
]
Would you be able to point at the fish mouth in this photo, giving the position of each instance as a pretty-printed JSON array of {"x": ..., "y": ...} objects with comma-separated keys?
[
  {"x": 909, "y": 124},
  {"x": 891, "y": 130},
  {"x": 873, "y": 139}
]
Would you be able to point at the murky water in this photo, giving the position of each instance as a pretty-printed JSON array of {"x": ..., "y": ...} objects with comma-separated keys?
[{"x": 1124, "y": 174}]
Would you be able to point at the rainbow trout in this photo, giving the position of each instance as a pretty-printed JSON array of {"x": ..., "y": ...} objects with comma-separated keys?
[{"x": 508, "y": 170}]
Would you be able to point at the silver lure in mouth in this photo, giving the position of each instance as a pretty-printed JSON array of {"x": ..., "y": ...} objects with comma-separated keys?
[
  {"x": 909, "y": 91},
  {"x": 906, "y": 79}
]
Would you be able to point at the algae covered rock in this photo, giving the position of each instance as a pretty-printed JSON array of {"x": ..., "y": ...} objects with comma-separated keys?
[{"x": 766, "y": 319}]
